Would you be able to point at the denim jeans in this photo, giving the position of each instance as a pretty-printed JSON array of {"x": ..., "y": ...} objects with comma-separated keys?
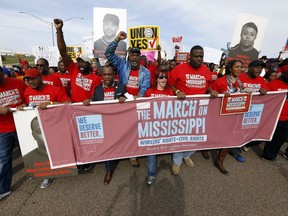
[
  {"x": 179, "y": 156},
  {"x": 151, "y": 163},
  {"x": 7, "y": 141}
]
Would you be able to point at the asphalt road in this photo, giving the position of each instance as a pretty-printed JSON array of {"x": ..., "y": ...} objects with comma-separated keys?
[{"x": 252, "y": 188}]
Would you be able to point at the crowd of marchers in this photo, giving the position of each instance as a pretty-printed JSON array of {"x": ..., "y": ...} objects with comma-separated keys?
[{"x": 85, "y": 80}]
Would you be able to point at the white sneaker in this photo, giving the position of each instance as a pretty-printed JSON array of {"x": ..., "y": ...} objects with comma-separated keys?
[
  {"x": 2, "y": 196},
  {"x": 151, "y": 180},
  {"x": 46, "y": 182}
]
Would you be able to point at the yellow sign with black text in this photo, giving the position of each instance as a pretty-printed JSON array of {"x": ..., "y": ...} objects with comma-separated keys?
[{"x": 144, "y": 37}]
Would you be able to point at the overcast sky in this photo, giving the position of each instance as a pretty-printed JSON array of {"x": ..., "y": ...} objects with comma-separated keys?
[{"x": 200, "y": 22}]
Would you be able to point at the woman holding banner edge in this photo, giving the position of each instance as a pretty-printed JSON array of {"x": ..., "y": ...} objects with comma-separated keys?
[{"x": 230, "y": 83}]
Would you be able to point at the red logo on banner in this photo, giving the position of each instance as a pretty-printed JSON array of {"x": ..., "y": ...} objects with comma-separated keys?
[{"x": 236, "y": 103}]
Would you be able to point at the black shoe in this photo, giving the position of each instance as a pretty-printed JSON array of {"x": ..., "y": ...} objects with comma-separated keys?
[
  {"x": 285, "y": 155},
  {"x": 87, "y": 167},
  {"x": 79, "y": 167}
]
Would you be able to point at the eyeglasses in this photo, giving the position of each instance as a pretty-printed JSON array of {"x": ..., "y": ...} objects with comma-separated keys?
[
  {"x": 164, "y": 70},
  {"x": 163, "y": 77},
  {"x": 40, "y": 65}
]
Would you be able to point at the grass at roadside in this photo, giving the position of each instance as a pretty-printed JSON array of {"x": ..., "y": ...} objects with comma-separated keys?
[{"x": 13, "y": 60}]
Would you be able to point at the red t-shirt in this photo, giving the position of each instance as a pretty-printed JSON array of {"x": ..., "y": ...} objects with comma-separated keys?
[
  {"x": 132, "y": 86},
  {"x": 66, "y": 81},
  {"x": 220, "y": 85},
  {"x": 159, "y": 93},
  {"x": 48, "y": 93},
  {"x": 214, "y": 75},
  {"x": 12, "y": 95},
  {"x": 152, "y": 68},
  {"x": 278, "y": 85},
  {"x": 82, "y": 85},
  {"x": 109, "y": 93},
  {"x": 52, "y": 79},
  {"x": 190, "y": 80},
  {"x": 253, "y": 84}
]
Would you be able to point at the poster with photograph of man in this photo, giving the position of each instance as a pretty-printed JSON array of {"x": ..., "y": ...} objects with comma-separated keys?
[
  {"x": 33, "y": 148},
  {"x": 247, "y": 38},
  {"x": 107, "y": 23}
]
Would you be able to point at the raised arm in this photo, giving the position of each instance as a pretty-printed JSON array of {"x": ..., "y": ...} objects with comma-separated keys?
[
  {"x": 158, "y": 61},
  {"x": 110, "y": 51},
  {"x": 58, "y": 23}
]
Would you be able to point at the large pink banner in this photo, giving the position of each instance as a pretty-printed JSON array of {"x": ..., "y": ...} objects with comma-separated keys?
[{"x": 78, "y": 134}]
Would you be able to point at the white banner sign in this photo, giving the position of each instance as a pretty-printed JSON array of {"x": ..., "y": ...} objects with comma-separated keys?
[{"x": 50, "y": 53}]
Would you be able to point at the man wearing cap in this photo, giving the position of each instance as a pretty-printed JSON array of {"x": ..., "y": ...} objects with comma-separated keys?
[
  {"x": 252, "y": 81},
  {"x": 245, "y": 50},
  {"x": 131, "y": 73},
  {"x": 40, "y": 94},
  {"x": 11, "y": 95},
  {"x": 110, "y": 29},
  {"x": 83, "y": 81}
]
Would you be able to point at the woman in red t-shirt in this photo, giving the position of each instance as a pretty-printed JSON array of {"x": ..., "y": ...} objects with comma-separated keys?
[
  {"x": 160, "y": 88},
  {"x": 230, "y": 83}
]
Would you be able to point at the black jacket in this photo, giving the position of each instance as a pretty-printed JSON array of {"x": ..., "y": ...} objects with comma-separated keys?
[{"x": 119, "y": 90}]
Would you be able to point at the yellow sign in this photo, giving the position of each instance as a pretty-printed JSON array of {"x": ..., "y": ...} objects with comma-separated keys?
[
  {"x": 74, "y": 52},
  {"x": 144, "y": 37}
]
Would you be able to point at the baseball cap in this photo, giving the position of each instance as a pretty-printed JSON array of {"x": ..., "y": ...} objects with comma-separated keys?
[
  {"x": 6, "y": 71},
  {"x": 263, "y": 57},
  {"x": 32, "y": 73},
  {"x": 85, "y": 58},
  {"x": 135, "y": 50},
  {"x": 256, "y": 63}
]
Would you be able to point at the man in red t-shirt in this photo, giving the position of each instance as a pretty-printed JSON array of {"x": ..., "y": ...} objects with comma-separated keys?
[
  {"x": 272, "y": 148},
  {"x": 40, "y": 94},
  {"x": 65, "y": 77},
  {"x": 11, "y": 95},
  {"x": 252, "y": 81},
  {"x": 83, "y": 81},
  {"x": 52, "y": 79},
  {"x": 190, "y": 79}
]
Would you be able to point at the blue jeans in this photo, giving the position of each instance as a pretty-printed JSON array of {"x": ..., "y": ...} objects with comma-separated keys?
[
  {"x": 151, "y": 163},
  {"x": 179, "y": 156},
  {"x": 7, "y": 141}
]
